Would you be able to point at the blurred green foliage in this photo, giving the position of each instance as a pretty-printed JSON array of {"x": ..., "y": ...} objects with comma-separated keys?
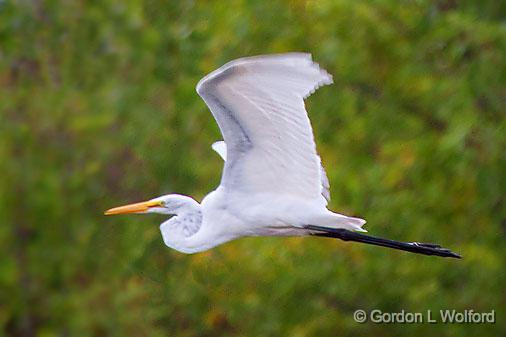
[{"x": 98, "y": 108}]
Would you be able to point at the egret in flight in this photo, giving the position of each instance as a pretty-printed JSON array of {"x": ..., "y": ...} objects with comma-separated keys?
[{"x": 273, "y": 181}]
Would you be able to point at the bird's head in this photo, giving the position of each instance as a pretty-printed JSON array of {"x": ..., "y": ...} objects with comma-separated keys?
[{"x": 166, "y": 204}]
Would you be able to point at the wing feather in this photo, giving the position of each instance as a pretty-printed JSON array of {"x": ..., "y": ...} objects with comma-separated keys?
[{"x": 258, "y": 103}]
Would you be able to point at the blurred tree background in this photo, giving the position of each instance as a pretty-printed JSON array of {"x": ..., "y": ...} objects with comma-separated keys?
[{"x": 98, "y": 108}]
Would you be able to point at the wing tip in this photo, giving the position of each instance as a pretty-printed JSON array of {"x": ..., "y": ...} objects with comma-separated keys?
[
  {"x": 220, "y": 147},
  {"x": 324, "y": 78}
]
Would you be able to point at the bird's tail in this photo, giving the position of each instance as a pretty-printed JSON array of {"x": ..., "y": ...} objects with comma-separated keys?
[
  {"x": 413, "y": 247},
  {"x": 335, "y": 220}
]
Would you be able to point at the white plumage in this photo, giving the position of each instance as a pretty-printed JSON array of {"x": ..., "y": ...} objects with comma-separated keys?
[{"x": 273, "y": 182}]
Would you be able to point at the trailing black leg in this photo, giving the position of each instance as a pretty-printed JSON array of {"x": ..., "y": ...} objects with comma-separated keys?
[{"x": 414, "y": 247}]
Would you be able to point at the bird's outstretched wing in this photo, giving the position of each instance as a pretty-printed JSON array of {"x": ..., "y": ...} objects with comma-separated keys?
[{"x": 258, "y": 103}]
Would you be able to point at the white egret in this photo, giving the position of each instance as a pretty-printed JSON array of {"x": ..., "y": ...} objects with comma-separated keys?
[{"x": 273, "y": 182}]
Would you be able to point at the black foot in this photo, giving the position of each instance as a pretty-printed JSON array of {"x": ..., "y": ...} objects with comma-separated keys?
[{"x": 414, "y": 247}]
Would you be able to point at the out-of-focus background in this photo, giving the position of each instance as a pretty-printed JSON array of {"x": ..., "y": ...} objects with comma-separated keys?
[{"x": 98, "y": 109}]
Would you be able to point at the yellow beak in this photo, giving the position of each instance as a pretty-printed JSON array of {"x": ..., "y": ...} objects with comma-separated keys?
[{"x": 133, "y": 208}]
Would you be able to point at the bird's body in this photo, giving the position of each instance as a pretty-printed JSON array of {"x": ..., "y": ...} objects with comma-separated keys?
[
  {"x": 227, "y": 215},
  {"x": 273, "y": 182}
]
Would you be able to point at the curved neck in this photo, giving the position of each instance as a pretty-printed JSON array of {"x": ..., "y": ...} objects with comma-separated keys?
[
  {"x": 179, "y": 231},
  {"x": 189, "y": 231}
]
